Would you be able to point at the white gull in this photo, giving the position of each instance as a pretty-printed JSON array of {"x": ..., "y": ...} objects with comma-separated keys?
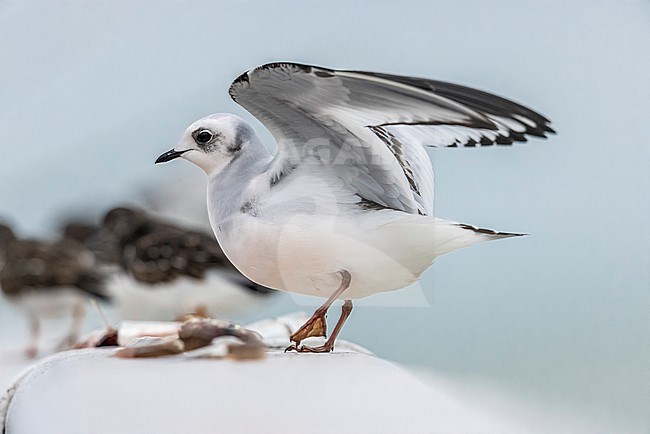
[{"x": 344, "y": 209}]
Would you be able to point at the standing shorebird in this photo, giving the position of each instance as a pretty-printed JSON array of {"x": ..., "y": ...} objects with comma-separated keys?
[
  {"x": 344, "y": 209},
  {"x": 48, "y": 280},
  {"x": 162, "y": 271}
]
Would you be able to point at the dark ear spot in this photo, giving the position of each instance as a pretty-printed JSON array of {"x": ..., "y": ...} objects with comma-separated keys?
[{"x": 242, "y": 134}]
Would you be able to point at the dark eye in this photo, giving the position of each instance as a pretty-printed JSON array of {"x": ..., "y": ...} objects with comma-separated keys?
[{"x": 203, "y": 137}]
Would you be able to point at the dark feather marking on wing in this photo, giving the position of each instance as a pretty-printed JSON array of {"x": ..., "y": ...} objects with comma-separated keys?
[
  {"x": 489, "y": 231},
  {"x": 503, "y": 140},
  {"x": 275, "y": 65},
  {"x": 323, "y": 74},
  {"x": 485, "y": 141},
  {"x": 242, "y": 78},
  {"x": 280, "y": 175},
  {"x": 474, "y": 123},
  {"x": 478, "y": 100},
  {"x": 500, "y": 139},
  {"x": 397, "y": 149},
  {"x": 370, "y": 205}
]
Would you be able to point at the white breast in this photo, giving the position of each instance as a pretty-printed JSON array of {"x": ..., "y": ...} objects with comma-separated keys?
[
  {"x": 298, "y": 236},
  {"x": 304, "y": 253}
]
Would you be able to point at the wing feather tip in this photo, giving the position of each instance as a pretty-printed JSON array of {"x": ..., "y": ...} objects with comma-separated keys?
[
  {"x": 549, "y": 129},
  {"x": 244, "y": 78},
  {"x": 320, "y": 71},
  {"x": 490, "y": 232}
]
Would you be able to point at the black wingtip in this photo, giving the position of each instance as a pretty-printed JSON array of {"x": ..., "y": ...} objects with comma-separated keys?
[
  {"x": 243, "y": 78},
  {"x": 491, "y": 232},
  {"x": 320, "y": 71}
]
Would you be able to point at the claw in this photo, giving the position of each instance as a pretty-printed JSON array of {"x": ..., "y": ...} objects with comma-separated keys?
[
  {"x": 320, "y": 349},
  {"x": 326, "y": 348}
]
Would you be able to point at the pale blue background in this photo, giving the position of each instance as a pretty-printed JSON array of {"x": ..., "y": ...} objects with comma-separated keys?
[{"x": 92, "y": 92}]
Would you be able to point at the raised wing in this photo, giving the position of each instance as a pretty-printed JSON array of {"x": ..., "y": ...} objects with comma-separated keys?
[
  {"x": 369, "y": 128},
  {"x": 513, "y": 121}
]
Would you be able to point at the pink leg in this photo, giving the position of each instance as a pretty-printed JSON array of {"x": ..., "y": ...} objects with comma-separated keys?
[
  {"x": 317, "y": 324},
  {"x": 78, "y": 316},
  {"x": 328, "y": 346},
  {"x": 34, "y": 334}
]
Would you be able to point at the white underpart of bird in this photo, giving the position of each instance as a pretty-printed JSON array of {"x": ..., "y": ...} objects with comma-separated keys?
[
  {"x": 214, "y": 294},
  {"x": 49, "y": 281},
  {"x": 350, "y": 188}
]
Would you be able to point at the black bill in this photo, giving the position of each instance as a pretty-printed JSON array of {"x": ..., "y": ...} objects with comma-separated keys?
[{"x": 170, "y": 155}]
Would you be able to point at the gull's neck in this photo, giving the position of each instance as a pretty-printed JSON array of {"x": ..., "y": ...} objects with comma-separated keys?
[{"x": 227, "y": 187}]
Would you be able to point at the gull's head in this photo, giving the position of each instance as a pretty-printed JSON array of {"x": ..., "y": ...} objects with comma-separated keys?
[{"x": 212, "y": 142}]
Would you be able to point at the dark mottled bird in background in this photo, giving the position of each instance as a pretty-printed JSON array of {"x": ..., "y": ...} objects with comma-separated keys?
[
  {"x": 149, "y": 269},
  {"x": 48, "y": 280},
  {"x": 165, "y": 271}
]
